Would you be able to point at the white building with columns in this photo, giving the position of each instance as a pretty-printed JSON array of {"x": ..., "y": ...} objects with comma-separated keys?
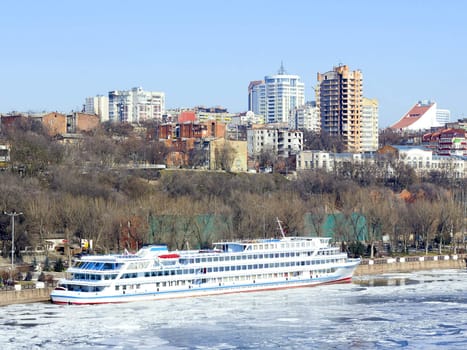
[{"x": 422, "y": 160}]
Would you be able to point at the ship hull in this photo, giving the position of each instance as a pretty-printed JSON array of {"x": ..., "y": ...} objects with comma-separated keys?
[{"x": 105, "y": 297}]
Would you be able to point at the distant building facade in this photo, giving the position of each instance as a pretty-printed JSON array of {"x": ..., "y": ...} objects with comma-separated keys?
[
  {"x": 447, "y": 142},
  {"x": 424, "y": 115},
  {"x": 257, "y": 97},
  {"x": 98, "y": 105},
  {"x": 281, "y": 142},
  {"x": 369, "y": 133},
  {"x": 339, "y": 99},
  {"x": 55, "y": 123},
  {"x": 219, "y": 114},
  {"x": 136, "y": 105},
  {"x": 234, "y": 151},
  {"x": 305, "y": 117},
  {"x": 276, "y": 96},
  {"x": 422, "y": 160}
]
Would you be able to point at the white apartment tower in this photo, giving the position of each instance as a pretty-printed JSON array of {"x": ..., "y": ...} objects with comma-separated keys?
[
  {"x": 135, "y": 105},
  {"x": 98, "y": 105},
  {"x": 369, "y": 132},
  {"x": 276, "y": 96}
]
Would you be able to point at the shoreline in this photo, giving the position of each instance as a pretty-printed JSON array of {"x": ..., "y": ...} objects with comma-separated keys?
[
  {"x": 410, "y": 263},
  {"x": 367, "y": 267}
]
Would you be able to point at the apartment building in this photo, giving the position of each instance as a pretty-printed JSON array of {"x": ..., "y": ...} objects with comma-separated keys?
[
  {"x": 305, "y": 117},
  {"x": 281, "y": 142},
  {"x": 276, "y": 95},
  {"x": 339, "y": 97},
  {"x": 369, "y": 133},
  {"x": 98, "y": 105},
  {"x": 135, "y": 105}
]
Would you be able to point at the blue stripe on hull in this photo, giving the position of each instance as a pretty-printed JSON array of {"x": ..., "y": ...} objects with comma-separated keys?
[{"x": 196, "y": 291}]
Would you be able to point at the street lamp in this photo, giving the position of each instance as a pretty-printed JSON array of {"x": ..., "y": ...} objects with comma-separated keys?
[{"x": 12, "y": 215}]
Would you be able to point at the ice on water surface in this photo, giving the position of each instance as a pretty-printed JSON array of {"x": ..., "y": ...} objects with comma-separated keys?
[{"x": 418, "y": 310}]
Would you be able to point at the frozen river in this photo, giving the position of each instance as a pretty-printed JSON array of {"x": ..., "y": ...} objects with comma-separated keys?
[{"x": 423, "y": 310}]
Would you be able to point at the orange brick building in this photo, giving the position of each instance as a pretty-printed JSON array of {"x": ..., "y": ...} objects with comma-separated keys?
[
  {"x": 181, "y": 138},
  {"x": 85, "y": 122},
  {"x": 55, "y": 123}
]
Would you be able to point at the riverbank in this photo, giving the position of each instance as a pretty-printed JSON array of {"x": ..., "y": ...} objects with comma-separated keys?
[
  {"x": 367, "y": 267},
  {"x": 25, "y": 296},
  {"x": 411, "y": 263}
]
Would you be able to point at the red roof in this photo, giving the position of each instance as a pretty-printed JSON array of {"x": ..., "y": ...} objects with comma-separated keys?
[{"x": 412, "y": 116}]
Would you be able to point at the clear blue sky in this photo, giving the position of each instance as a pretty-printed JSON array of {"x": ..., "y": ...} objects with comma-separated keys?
[{"x": 56, "y": 53}]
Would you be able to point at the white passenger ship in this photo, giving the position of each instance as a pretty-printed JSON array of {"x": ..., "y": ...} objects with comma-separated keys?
[{"x": 231, "y": 267}]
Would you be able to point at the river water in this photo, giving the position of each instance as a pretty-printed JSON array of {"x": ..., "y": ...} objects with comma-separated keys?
[{"x": 422, "y": 310}]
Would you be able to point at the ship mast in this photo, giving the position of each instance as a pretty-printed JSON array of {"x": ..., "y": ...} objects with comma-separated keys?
[{"x": 280, "y": 227}]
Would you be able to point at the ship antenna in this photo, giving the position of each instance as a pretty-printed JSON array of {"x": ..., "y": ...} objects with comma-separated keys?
[{"x": 280, "y": 228}]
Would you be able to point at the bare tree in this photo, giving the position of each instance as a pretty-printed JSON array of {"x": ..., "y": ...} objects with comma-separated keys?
[{"x": 423, "y": 221}]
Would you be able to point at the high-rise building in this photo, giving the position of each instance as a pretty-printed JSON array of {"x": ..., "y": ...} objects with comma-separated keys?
[
  {"x": 98, "y": 105},
  {"x": 257, "y": 97},
  {"x": 339, "y": 99},
  {"x": 135, "y": 105},
  {"x": 276, "y": 96},
  {"x": 369, "y": 133}
]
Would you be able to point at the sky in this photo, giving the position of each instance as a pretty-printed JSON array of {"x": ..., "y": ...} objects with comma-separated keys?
[{"x": 55, "y": 53}]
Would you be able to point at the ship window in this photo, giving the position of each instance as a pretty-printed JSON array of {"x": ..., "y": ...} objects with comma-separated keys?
[
  {"x": 117, "y": 287},
  {"x": 250, "y": 267},
  {"x": 261, "y": 246}
]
